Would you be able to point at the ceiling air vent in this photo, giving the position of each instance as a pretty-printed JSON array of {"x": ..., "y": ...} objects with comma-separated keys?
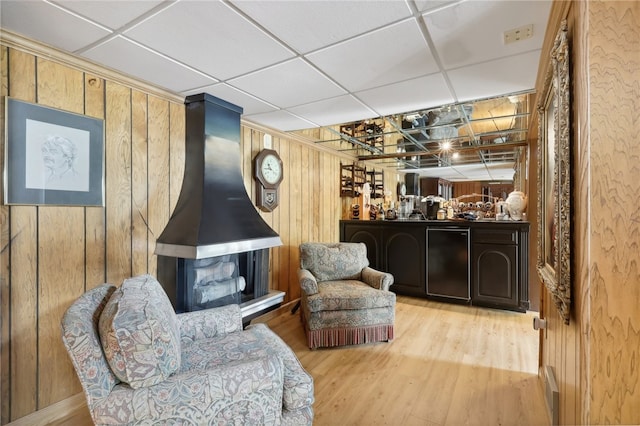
[{"x": 518, "y": 34}]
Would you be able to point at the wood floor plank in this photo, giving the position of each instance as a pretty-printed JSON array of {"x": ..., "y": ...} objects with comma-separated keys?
[{"x": 448, "y": 365}]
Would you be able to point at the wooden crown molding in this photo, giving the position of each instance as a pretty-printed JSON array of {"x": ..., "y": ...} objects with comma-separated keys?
[{"x": 36, "y": 48}]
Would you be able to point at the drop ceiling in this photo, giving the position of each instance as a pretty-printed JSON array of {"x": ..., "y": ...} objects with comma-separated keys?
[{"x": 302, "y": 64}]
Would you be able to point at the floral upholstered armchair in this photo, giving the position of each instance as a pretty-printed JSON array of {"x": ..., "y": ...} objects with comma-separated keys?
[
  {"x": 140, "y": 363},
  {"x": 343, "y": 300}
]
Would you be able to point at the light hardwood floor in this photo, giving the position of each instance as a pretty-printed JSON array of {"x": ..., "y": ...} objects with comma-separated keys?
[{"x": 448, "y": 365}]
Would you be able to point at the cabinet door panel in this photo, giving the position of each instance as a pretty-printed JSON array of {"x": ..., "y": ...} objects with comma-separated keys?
[
  {"x": 495, "y": 275},
  {"x": 405, "y": 253},
  {"x": 370, "y": 236}
]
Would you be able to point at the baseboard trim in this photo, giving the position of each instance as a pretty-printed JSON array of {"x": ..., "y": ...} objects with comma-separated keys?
[
  {"x": 53, "y": 413},
  {"x": 551, "y": 394}
]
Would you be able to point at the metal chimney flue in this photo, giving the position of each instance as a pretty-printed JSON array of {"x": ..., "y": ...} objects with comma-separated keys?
[{"x": 214, "y": 215}]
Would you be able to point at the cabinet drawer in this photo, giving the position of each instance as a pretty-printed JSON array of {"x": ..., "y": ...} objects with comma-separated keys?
[{"x": 496, "y": 236}]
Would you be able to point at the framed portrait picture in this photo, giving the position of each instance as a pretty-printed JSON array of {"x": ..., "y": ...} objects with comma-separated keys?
[
  {"x": 52, "y": 157},
  {"x": 554, "y": 178}
]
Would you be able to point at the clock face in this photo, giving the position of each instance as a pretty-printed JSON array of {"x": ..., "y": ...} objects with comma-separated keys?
[{"x": 271, "y": 169}]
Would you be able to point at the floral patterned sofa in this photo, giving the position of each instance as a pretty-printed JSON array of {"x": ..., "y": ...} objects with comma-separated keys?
[
  {"x": 140, "y": 363},
  {"x": 343, "y": 300}
]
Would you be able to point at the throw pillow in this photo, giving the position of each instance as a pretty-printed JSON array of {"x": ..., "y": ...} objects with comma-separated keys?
[{"x": 140, "y": 334}]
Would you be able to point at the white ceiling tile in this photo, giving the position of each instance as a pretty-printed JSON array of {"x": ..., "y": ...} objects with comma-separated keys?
[
  {"x": 333, "y": 111},
  {"x": 465, "y": 172},
  {"x": 250, "y": 104},
  {"x": 34, "y": 19},
  {"x": 395, "y": 53},
  {"x": 501, "y": 171},
  {"x": 281, "y": 120},
  {"x": 137, "y": 61},
  {"x": 288, "y": 84},
  {"x": 499, "y": 77},
  {"x": 110, "y": 13},
  {"x": 420, "y": 93},
  {"x": 210, "y": 37},
  {"x": 430, "y": 5},
  {"x": 449, "y": 173},
  {"x": 309, "y": 25},
  {"x": 472, "y": 32}
]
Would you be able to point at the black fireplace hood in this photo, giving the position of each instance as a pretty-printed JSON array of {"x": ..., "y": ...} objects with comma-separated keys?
[{"x": 214, "y": 215}]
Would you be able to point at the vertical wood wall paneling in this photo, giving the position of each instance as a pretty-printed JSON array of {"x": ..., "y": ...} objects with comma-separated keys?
[
  {"x": 158, "y": 183},
  {"x": 118, "y": 182},
  {"x": 249, "y": 148},
  {"x": 582, "y": 196},
  {"x": 177, "y": 150},
  {"x": 466, "y": 188},
  {"x": 4, "y": 250},
  {"x": 614, "y": 49},
  {"x": 295, "y": 219},
  {"x": 328, "y": 174},
  {"x": 250, "y": 145},
  {"x": 572, "y": 349},
  {"x": 95, "y": 231},
  {"x": 283, "y": 225},
  {"x": 61, "y": 248},
  {"x": 22, "y": 315},
  {"x": 278, "y": 252},
  {"x": 390, "y": 182},
  {"x": 317, "y": 204},
  {"x": 140, "y": 239},
  {"x": 308, "y": 189},
  {"x": 565, "y": 340},
  {"x": 23, "y": 304},
  {"x": 332, "y": 203},
  {"x": 333, "y": 194}
]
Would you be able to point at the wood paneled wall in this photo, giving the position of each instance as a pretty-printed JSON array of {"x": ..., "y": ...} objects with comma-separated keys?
[
  {"x": 614, "y": 223},
  {"x": 475, "y": 187},
  {"x": 467, "y": 188},
  {"x": 595, "y": 357},
  {"x": 50, "y": 255}
]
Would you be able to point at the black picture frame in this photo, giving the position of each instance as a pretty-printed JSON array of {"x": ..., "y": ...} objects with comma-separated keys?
[{"x": 52, "y": 157}]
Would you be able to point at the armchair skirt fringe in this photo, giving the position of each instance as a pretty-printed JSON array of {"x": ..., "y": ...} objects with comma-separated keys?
[{"x": 344, "y": 336}]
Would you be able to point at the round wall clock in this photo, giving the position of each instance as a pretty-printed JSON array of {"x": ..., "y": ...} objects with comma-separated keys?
[{"x": 268, "y": 175}]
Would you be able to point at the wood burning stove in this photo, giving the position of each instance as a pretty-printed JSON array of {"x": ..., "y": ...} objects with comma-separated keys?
[{"x": 214, "y": 250}]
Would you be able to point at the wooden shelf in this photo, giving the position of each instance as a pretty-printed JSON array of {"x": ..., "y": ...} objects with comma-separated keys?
[
  {"x": 352, "y": 177},
  {"x": 376, "y": 179},
  {"x": 370, "y": 132}
]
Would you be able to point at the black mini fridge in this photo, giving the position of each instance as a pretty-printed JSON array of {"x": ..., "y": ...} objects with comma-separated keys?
[{"x": 448, "y": 263}]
